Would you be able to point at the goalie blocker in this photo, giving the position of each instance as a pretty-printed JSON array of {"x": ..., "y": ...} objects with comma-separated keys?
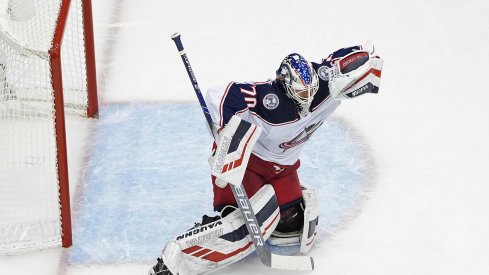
[{"x": 236, "y": 140}]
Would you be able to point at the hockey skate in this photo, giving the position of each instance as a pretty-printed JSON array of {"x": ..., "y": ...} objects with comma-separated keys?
[{"x": 159, "y": 269}]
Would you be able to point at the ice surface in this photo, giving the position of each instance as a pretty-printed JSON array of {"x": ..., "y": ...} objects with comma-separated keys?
[{"x": 147, "y": 180}]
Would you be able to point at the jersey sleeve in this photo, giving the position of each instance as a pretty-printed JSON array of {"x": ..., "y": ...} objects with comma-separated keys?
[
  {"x": 342, "y": 52},
  {"x": 326, "y": 63},
  {"x": 223, "y": 102},
  {"x": 322, "y": 68}
]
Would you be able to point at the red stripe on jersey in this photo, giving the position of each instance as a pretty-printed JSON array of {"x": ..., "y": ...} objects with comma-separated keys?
[
  {"x": 273, "y": 124},
  {"x": 326, "y": 99}
]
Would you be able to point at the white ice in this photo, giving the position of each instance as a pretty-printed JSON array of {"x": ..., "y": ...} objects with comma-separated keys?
[{"x": 426, "y": 131}]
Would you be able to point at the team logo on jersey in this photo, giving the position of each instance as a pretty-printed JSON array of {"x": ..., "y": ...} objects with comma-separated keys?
[
  {"x": 270, "y": 101},
  {"x": 302, "y": 137},
  {"x": 323, "y": 73}
]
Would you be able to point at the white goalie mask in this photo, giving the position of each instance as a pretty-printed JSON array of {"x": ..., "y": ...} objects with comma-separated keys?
[{"x": 300, "y": 81}]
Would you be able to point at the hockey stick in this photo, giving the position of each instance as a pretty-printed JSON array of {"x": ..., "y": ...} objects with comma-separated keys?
[{"x": 267, "y": 258}]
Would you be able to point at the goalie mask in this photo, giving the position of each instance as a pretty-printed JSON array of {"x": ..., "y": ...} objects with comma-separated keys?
[{"x": 300, "y": 81}]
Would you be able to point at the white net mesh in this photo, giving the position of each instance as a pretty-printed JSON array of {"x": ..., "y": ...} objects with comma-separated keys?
[
  {"x": 29, "y": 207},
  {"x": 32, "y": 39}
]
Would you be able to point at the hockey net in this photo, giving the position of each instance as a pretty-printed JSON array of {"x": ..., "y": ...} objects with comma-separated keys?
[{"x": 46, "y": 67}]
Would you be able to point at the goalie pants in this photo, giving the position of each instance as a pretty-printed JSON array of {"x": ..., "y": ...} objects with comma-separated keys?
[{"x": 283, "y": 179}]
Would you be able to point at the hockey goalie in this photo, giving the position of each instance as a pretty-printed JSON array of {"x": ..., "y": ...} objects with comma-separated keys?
[{"x": 263, "y": 127}]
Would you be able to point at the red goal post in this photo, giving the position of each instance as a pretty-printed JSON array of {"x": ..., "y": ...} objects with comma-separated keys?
[{"x": 47, "y": 67}]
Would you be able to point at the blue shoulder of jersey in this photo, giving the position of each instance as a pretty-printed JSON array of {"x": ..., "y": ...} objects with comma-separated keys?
[
  {"x": 323, "y": 92},
  {"x": 265, "y": 100},
  {"x": 343, "y": 51}
]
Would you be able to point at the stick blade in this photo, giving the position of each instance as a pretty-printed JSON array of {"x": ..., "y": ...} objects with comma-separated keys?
[{"x": 292, "y": 262}]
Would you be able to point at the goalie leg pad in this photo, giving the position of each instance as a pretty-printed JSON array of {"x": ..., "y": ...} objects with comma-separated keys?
[
  {"x": 208, "y": 247},
  {"x": 311, "y": 218}
]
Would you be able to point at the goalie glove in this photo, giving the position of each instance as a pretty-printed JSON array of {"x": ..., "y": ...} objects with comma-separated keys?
[{"x": 355, "y": 73}]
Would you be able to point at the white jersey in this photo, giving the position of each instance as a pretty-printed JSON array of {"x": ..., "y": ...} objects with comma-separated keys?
[{"x": 265, "y": 104}]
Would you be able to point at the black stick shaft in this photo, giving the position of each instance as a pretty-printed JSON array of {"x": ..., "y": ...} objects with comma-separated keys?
[{"x": 191, "y": 75}]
